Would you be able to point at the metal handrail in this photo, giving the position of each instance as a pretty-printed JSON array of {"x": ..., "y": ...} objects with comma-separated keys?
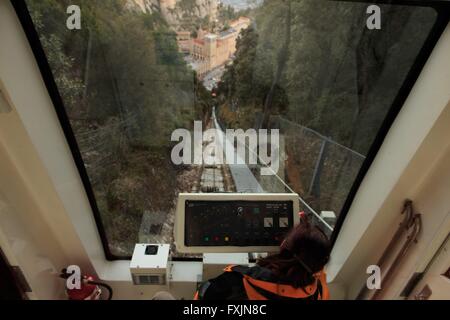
[
  {"x": 411, "y": 226},
  {"x": 416, "y": 227}
]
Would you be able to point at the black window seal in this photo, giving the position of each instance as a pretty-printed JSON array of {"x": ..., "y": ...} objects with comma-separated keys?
[{"x": 442, "y": 9}]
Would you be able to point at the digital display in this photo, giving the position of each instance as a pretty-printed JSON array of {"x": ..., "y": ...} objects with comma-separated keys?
[{"x": 237, "y": 223}]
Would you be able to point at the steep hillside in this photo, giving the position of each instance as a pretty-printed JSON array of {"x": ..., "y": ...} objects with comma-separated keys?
[
  {"x": 147, "y": 6},
  {"x": 180, "y": 14}
]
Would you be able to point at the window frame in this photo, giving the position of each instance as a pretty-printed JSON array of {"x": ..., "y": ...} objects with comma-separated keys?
[{"x": 442, "y": 9}]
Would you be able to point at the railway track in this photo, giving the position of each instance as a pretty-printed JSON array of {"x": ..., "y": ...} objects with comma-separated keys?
[{"x": 214, "y": 178}]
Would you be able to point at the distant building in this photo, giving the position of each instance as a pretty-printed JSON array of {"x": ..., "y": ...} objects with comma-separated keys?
[
  {"x": 184, "y": 41},
  {"x": 209, "y": 50}
]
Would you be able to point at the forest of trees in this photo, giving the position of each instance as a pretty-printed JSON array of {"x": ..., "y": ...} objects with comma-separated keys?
[
  {"x": 125, "y": 89},
  {"x": 315, "y": 65}
]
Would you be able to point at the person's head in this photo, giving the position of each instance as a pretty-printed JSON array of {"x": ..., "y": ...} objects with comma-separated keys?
[{"x": 303, "y": 253}]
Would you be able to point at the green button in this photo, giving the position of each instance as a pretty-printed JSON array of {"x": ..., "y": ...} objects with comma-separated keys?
[{"x": 206, "y": 238}]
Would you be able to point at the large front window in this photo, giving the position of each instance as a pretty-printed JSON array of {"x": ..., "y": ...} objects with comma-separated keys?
[{"x": 138, "y": 70}]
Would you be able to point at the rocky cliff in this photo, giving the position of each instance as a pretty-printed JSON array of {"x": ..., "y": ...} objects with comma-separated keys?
[
  {"x": 180, "y": 14},
  {"x": 146, "y": 6}
]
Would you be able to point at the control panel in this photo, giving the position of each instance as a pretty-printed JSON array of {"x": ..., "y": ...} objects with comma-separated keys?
[{"x": 234, "y": 222}]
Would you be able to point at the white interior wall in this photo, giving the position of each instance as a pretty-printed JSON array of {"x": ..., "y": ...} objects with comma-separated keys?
[{"x": 426, "y": 181}]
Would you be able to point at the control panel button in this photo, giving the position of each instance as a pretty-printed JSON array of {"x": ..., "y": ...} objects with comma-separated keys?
[
  {"x": 284, "y": 222},
  {"x": 268, "y": 222}
]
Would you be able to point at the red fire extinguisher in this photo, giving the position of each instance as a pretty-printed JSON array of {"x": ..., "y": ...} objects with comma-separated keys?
[{"x": 90, "y": 288}]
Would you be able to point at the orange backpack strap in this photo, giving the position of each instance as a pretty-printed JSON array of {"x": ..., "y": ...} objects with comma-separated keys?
[
  {"x": 252, "y": 292},
  {"x": 259, "y": 285}
]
